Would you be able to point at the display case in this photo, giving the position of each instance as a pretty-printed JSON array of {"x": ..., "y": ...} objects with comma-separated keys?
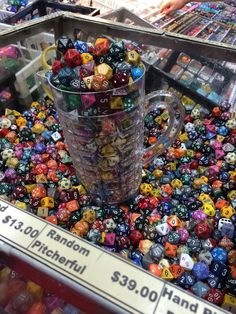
[{"x": 86, "y": 275}]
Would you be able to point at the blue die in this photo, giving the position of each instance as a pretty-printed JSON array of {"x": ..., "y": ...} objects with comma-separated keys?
[
  {"x": 219, "y": 255},
  {"x": 201, "y": 271}
]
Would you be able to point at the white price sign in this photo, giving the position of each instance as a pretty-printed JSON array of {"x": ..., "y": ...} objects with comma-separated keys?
[{"x": 122, "y": 283}]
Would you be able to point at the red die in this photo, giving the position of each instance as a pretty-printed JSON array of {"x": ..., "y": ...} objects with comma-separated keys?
[
  {"x": 72, "y": 58},
  {"x": 215, "y": 296},
  {"x": 57, "y": 65},
  {"x": 135, "y": 237},
  {"x": 98, "y": 225},
  {"x": 203, "y": 230},
  {"x": 41, "y": 169}
]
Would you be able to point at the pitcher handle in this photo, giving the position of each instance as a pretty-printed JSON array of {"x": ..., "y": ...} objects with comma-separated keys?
[
  {"x": 44, "y": 53},
  {"x": 176, "y": 119}
]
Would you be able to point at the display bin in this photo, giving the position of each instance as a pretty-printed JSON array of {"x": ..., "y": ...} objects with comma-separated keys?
[
  {"x": 94, "y": 288},
  {"x": 164, "y": 71},
  {"x": 44, "y": 7},
  {"x": 26, "y": 82}
]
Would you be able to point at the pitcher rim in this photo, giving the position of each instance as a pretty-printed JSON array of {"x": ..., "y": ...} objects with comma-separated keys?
[{"x": 98, "y": 92}]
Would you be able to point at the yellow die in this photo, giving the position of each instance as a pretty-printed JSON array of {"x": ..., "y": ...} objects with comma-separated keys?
[
  {"x": 146, "y": 189},
  {"x": 132, "y": 87},
  {"x": 12, "y": 162},
  {"x": 203, "y": 197},
  {"x": 165, "y": 115},
  {"x": 36, "y": 105},
  {"x": 220, "y": 138},
  {"x": 38, "y": 128},
  {"x": 30, "y": 187},
  {"x": 21, "y": 205},
  {"x": 176, "y": 183},
  {"x": 183, "y": 137},
  {"x": 199, "y": 181},
  {"x": 227, "y": 211},
  {"x": 21, "y": 121},
  {"x": 171, "y": 166},
  {"x": 104, "y": 69},
  {"x": 89, "y": 216},
  {"x": 35, "y": 290},
  {"x": 166, "y": 274},
  {"x": 102, "y": 239},
  {"x": 108, "y": 150},
  {"x": 158, "y": 173},
  {"x": 231, "y": 195},
  {"x": 156, "y": 193},
  {"x": 41, "y": 178},
  {"x": 202, "y": 169},
  {"x": 158, "y": 119},
  {"x": 4, "y": 274},
  {"x": 229, "y": 303},
  {"x": 233, "y": 175},
  {"x": 209, "y": 209},
  {"x": 8, "y": 112},
  {"x": 116, "y": 103},
  {"x": 47, "y": 202},
  {"x": 133, "y": 57},
  {"x": 80, "y": 188},
  {"x": 16, "y": 113},
  {"x": 86, "y": 57},
  {"x": 190, "y": 153},
  {"x": 41, "y": 115}
]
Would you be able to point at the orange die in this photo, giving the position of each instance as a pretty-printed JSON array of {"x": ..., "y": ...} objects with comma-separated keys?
[
  {"x": 39, "y": 192},
  {"x": 176, "y": 270},
  {"x": 52, "y": 219},
  {"x": 72, "y": 206},
  {"x": 221, "y": 203},
  {"x": 170, "y": 250},
  {"x": 174, "y": 221},
  {"x": 155, "y": 269}
]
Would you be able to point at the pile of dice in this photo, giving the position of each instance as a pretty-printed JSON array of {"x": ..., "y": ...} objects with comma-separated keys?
[
  {"x": 15, "y": 5},
  {"x": 106, "y": 70},
  {"x": 182, "y": 225},
  {"x": 19, "y": 295}
]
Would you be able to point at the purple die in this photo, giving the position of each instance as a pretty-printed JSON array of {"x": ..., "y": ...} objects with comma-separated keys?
[
  {"x": 89, "y": 66},
  {"x": 53, "y": 303},
  {"x": 184, "y": 235},
  {"x": 88, "y": 100},
  {"x": 199, "y": 215},
  {"x": 227, "y": 229},
  {"x": 10, "y": 173},
  {"x": 40, "y": 148}
]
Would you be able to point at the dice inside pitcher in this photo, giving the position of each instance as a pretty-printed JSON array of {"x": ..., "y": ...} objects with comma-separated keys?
[{"x": 105, "y": 74}]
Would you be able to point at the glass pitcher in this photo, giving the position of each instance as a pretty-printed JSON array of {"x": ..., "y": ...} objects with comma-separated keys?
[{"x": 104, "y": 132}]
